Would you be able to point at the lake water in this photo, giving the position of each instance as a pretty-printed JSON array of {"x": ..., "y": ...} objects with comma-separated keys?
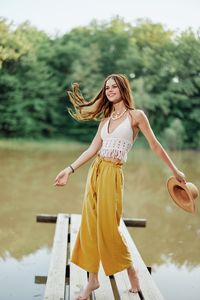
[{"x": 170, "y": 243}]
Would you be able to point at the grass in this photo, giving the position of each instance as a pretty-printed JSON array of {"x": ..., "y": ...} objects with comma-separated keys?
[
  {"x": 41, "y": 144},
  {"x": 52, "y": 143}
]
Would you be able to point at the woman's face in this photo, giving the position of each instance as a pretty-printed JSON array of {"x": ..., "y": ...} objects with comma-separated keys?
[{"x": 112, "y": 91}]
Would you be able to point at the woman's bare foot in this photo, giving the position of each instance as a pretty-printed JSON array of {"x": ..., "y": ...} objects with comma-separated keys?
[
  {"x": 134, "y": 280},
  {"x": 92, "y": 285}
]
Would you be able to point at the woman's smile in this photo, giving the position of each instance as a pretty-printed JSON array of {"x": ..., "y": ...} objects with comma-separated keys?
[{"x": 112, "y": 90}]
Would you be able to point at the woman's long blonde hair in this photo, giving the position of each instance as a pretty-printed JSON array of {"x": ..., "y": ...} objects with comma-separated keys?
[{"x": 99, "y": 107}]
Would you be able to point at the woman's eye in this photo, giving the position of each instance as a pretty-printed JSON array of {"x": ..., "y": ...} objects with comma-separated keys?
[{"x": 113, "y": 87}]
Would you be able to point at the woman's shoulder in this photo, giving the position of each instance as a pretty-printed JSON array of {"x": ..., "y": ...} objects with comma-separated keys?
[
  {"x": 136, "y": 112},
  {"x": 137, "y": 115}
]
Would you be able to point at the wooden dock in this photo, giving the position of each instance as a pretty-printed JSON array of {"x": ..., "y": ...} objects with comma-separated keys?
[{"x": 65, "y": 281}]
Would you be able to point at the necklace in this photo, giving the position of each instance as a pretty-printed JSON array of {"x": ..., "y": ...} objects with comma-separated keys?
[{"x": 115, "y": 115}]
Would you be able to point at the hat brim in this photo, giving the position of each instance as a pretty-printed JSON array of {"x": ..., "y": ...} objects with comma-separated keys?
[{"x": 180, "y": 194}]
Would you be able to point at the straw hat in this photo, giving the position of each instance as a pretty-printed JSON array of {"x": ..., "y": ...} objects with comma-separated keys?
[{"x": 184, "y": 195}]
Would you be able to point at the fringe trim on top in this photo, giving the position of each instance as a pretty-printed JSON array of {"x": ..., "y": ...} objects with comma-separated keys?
[{"x": 115, "y": 148}]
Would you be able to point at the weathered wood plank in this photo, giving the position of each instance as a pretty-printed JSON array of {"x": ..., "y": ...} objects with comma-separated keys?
[
  {"x": 130, "y": 222},
  {"x": 105, "y": 291},
  {"x": 40, "y": 279},
  {"x": 46, "y": 218},
  {"x": 149, "y": 289},
  {"x": 78, "y": 277},
  {"x": 123, "y": 286},
  {"x": 55, "y": 287}
]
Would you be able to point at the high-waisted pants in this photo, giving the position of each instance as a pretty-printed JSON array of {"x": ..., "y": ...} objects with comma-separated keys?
[{"x": 99, "y": 237}]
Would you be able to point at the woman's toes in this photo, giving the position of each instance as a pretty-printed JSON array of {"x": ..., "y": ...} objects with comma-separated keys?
[{"x": 133, "y": 290}]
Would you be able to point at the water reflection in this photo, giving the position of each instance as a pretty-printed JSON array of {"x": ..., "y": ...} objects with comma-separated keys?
[
  {"x": 170, "y": 231},
  {"x": 177, "y": 283},
  {"x": 17, "y": 276},
  {"x": 26, "y": 184}
]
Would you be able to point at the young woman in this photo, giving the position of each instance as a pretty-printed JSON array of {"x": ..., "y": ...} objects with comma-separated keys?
[{"x": 99, "y": 238}]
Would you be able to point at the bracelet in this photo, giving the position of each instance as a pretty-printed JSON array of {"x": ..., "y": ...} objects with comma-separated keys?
[{"x": 71, "y": 168}]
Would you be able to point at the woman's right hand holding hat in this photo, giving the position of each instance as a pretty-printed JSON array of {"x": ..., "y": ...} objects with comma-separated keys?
[{"x": 180, "y": 176}]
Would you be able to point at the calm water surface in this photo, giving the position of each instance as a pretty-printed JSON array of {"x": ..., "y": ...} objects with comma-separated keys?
[{"x": 170, "y": 243}]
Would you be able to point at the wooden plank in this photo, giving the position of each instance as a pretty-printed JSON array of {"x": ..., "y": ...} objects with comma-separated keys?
[
  {"x": 55, "y": 287},
  {"x": 40, "y": 279},
  {"x": 149, "y": 289},
  {"x": 130, "y": 222},
  {"x": 105, "y": 291},
  {"x": 46, "y": 218},
  {"x": 78, "y": 277},
  {"x": 123, "y": 286}
]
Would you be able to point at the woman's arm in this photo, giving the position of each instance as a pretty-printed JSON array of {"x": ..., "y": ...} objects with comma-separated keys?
[
  {"x": 144, "y": 126},
  {"x": 62, "y": 177}
]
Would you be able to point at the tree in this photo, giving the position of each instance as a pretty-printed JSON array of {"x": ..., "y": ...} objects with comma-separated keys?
[{"x": 36, "y": 70}]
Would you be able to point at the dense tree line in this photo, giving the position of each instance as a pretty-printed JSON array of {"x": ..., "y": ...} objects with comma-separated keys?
[{"x": 36, "y": 69}]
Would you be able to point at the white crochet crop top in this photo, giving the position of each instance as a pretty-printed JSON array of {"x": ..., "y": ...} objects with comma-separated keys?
[{"x": 118, "y": 143}]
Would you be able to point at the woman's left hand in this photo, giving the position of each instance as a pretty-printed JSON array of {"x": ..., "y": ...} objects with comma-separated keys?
[{"x": 180, "y": 176}]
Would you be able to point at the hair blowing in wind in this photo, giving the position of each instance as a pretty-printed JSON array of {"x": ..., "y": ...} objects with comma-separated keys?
[{"x": 99, "y": 107}]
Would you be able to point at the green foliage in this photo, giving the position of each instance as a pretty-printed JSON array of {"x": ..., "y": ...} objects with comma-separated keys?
[
  {"x": 36, "y": 70},
  {"x": 12, "y": 43},
  {"x": 174, "y": 135}
]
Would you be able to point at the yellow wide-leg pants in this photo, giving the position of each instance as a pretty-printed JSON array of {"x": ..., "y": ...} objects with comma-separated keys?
[{"x": 99, "y": 237}]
